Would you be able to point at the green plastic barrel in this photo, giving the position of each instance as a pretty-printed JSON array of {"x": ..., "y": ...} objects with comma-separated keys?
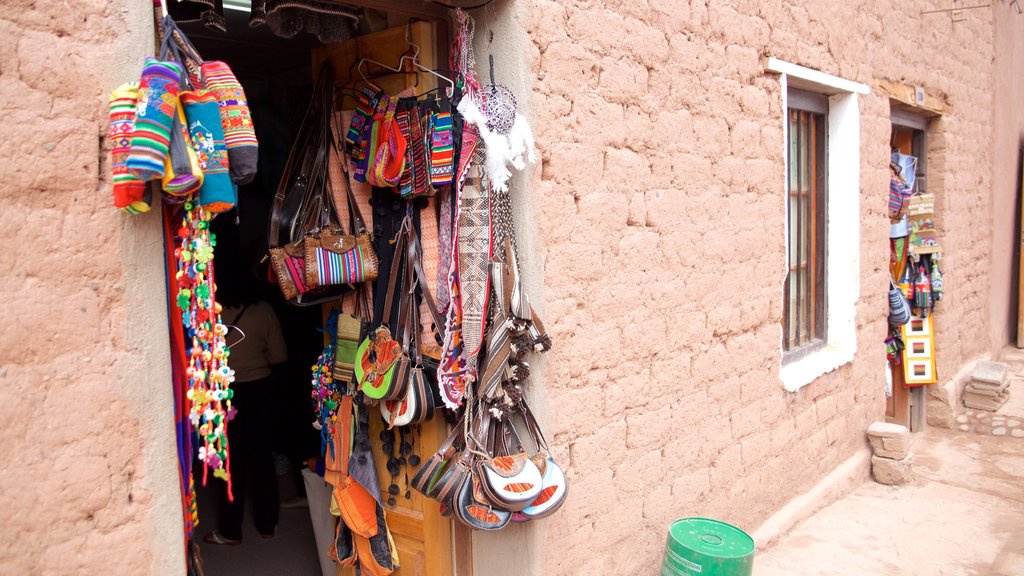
[{"x": 707, "y": 547}]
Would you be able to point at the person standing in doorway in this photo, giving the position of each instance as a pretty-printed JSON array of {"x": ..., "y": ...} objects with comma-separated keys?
[{"x": 257, "y": 345}]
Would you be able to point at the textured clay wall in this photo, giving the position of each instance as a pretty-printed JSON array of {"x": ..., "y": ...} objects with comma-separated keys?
[
  {"x": 660, "y": 213},
  {"x": 1008, "y": 126},
  {"x": 88, "y": 474}
]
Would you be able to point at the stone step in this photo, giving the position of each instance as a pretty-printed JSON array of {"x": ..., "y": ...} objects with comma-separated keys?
[{"x": 988, "y": 371}]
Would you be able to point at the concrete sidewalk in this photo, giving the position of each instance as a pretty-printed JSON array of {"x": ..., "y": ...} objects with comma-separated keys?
[{"x": 963, "y": 514}]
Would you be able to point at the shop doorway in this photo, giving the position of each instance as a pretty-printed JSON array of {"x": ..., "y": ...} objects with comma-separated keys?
[
  {"x": 277, "y": 75},
  {"x": 914, "y": 243}
]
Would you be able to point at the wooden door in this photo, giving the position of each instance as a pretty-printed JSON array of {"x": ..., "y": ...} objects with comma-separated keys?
[{"x": 423, "y": 537}]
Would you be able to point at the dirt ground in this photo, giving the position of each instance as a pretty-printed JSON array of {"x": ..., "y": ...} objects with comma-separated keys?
[{"x": 963, "y": 513}]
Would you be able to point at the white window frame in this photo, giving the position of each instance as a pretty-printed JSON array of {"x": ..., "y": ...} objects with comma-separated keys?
[{"x": 842, "y": 282}]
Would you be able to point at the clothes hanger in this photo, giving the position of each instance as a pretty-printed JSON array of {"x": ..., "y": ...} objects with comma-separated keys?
[{"x": 415, "y": 59}]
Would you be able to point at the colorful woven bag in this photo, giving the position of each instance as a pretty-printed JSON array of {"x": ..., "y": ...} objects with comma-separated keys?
[
  {"x": 129, "y": 191},
  {"x": 239, "y": 132},
  {"x": 218, "y": 193}
]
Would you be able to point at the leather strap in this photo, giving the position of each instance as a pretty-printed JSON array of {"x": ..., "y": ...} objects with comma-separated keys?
[
  {"x": 417, "y": 261},
  {"x": 358, "y": 224},
  {"x": 337, "y": 464},
  {"x": 322, "y": 92},
  {"x": 395, "y": 265},
  {"x": 534, "y": 427}
]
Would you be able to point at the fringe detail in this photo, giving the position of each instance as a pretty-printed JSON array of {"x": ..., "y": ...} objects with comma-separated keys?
[{"x": 501, "y": 151}]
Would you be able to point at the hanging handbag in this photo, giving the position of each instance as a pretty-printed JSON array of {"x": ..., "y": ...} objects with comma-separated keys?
[
  {"x": 899, "y": 308},
  {"x": 382, "y": 367},
  {"x": 129, "y": 191},
  {"x": 387, "y": 162},
  {"x": 471, "y": 505},
  {"x": 418, "y": 403},
  {"x": 333, "y": 257},
  {"x": 508, "y": 477},
  {"x": 302, "y": 202},
  {"x": 473, "y": 509},
  {"x": 426, "y": 479},
  {"x": 350, "y": 334},
  {"x": 554, "y": 486}
]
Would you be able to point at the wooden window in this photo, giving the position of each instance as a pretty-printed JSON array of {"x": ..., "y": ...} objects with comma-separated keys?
[{"x": 804, "y": 318}]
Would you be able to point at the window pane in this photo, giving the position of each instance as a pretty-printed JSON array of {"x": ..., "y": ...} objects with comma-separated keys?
[{"x": 804, "y": 289}]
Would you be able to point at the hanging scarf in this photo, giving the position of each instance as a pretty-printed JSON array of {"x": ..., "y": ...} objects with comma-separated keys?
[
  {"x": 474, "y": 254},
  {"x": 453, "y": 374}
]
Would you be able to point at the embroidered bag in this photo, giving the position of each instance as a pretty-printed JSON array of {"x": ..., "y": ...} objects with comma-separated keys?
[{"x": 382, "y": 367}]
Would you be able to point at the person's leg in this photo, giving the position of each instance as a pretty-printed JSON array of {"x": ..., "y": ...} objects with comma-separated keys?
[{"x": 265, "y": 495}]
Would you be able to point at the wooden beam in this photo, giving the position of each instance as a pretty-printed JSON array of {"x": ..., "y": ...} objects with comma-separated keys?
[
  {"x": 906, "y": 94},
  {"x": 413, "y": 8}
]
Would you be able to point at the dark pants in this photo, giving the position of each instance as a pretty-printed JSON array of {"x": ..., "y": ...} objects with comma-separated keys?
[{"x": 251, "y": 461}]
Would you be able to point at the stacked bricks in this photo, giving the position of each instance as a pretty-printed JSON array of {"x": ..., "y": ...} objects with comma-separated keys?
[
  {"x": 989, "y": 387},
  {"x": 892, "y": 461}
]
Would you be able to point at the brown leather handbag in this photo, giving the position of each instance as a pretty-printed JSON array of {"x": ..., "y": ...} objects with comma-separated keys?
[{"x": 303, "y": 213}]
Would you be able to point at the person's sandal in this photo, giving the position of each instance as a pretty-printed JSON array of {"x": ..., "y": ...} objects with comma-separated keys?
[{"x": 216, "y": 537}]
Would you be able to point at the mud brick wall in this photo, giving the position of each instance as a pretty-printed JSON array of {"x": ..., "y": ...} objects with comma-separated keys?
[
  {"x": 660, "y": 214},
  {"x": 88, "y": 474},
  {"x": 656, "y": 252}
]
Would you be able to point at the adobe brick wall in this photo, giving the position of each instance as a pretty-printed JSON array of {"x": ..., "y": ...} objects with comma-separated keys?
[
  {"x": 657, "y": 259},
  {"x": 660, "y": 214},
  {"x": 1008, "y": 129},
  {"x": 88, "y": 475}
]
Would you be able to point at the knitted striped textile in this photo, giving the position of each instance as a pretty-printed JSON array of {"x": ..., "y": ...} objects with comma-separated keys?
[
  {"x": 128, "y": 190},
  {"x": 442, "y": 151},
  {"x": 218, "y": 193},
  {"x": 158, "y": 98},
  {"x": 236, "y": 121}
]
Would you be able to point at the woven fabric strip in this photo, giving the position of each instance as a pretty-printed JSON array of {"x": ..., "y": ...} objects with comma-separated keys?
[
  {"x": 501, "y": 221},
  {"x": 474, "y": 253},
  {"x": 453, "y": 372},
  {"x": 444, "y": 244},
  {"x": 418, "y": 155},
  {"x": 297, "y": 272},
  {"x": 429, "y": 247}
]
